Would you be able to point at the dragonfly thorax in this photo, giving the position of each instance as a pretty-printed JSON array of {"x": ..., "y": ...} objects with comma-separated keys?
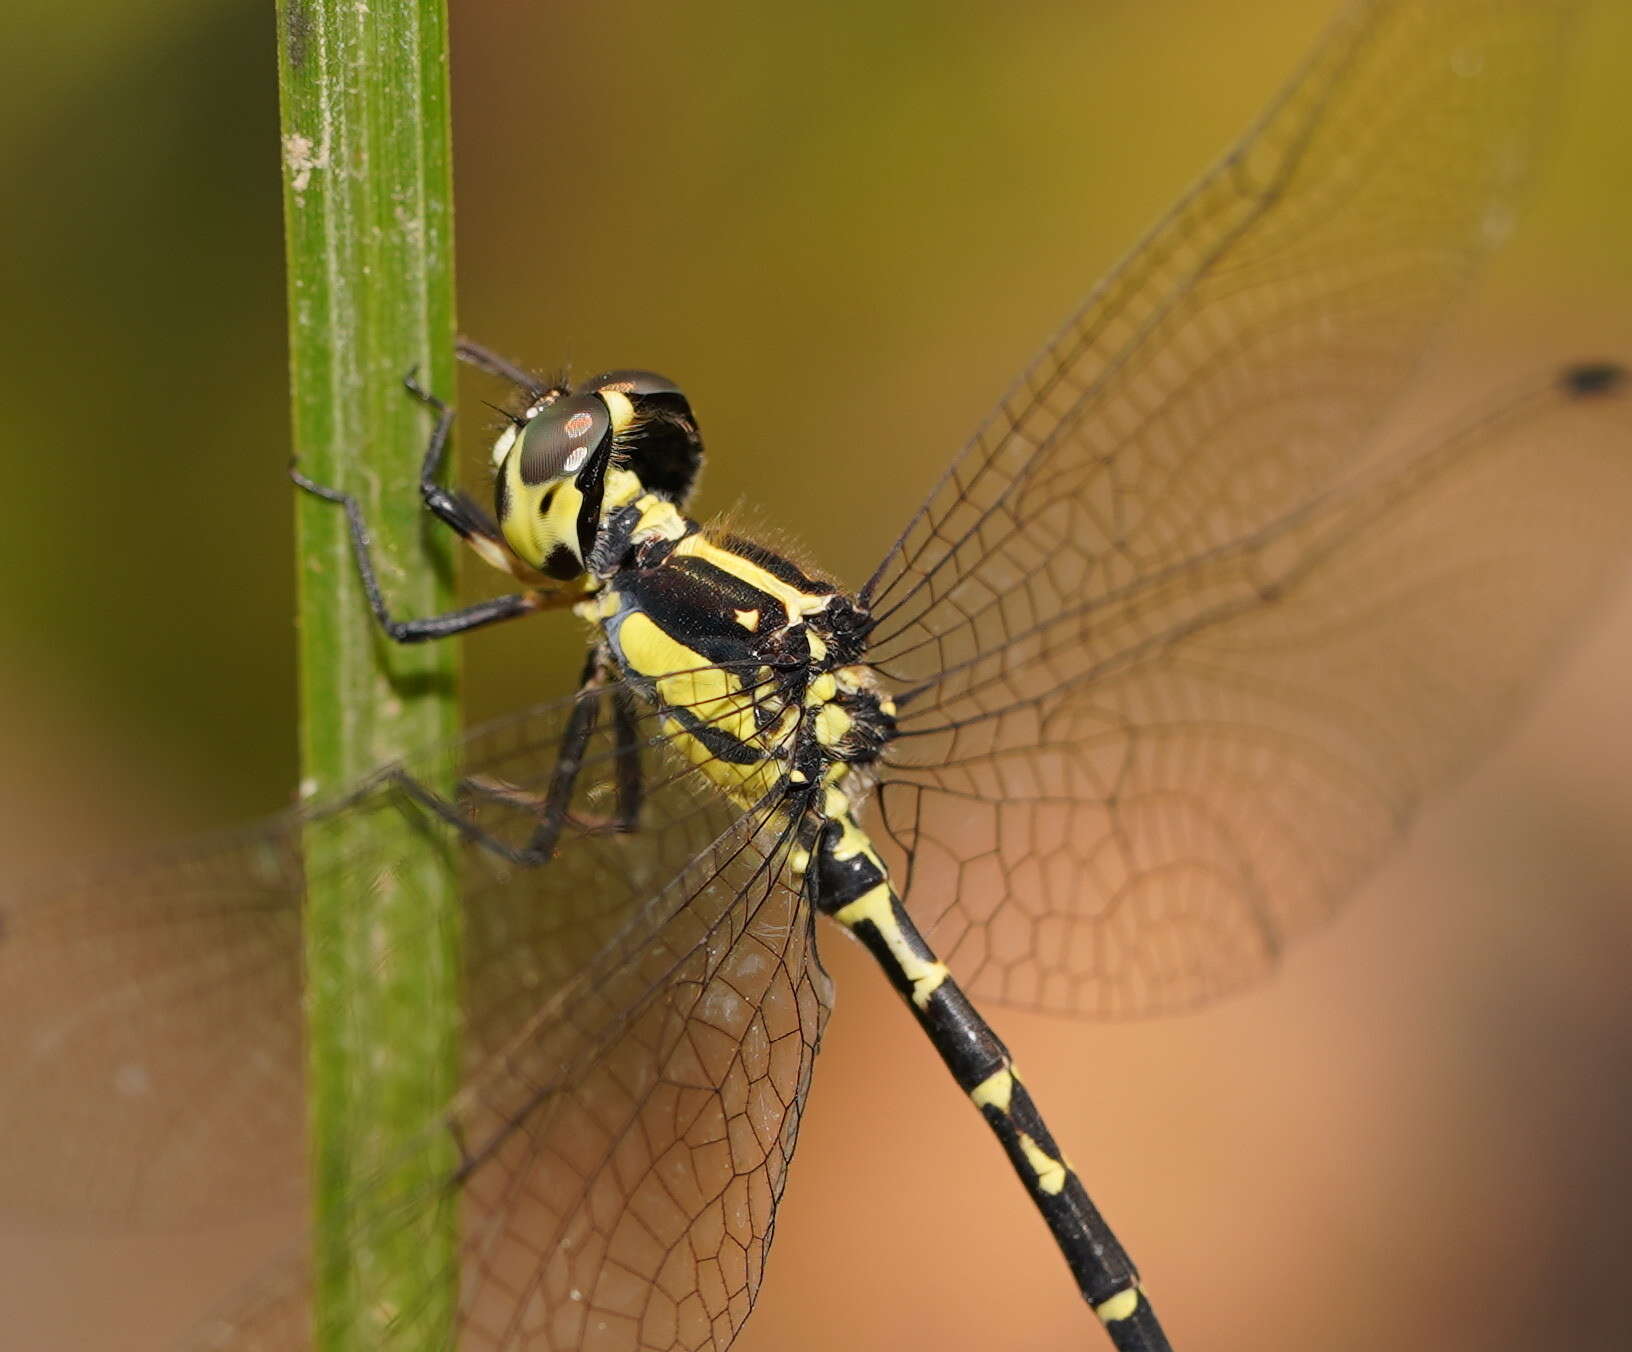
[{"x": 754, "y": 666}]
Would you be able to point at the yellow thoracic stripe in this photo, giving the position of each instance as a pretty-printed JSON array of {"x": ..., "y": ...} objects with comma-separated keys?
[
  {"x": 714, "y": 697},
  {"x": 798, "y": 602}
]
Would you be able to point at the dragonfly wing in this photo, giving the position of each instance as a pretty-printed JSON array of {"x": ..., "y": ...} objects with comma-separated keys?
[
  {"x": 151, "y": 1071},
  {"x": 1232, "y": 364},
  {"x": 630, "y": 1154},
  {"x": 1134, "y": 806},
  {"x": 625, "y": 1148},
  {"x": 641, "y": 1019},
  {"x": 1231, "y": 371}
]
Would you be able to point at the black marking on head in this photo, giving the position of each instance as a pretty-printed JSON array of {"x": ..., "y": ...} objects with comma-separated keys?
[
  {"x": 501, "y": 496},
  {"x": 1589, "y": 380},
  {"x": 591, "y": 483},
  {"x": 563, "y": 564}
]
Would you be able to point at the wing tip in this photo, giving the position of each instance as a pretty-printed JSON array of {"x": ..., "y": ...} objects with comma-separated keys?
[{"x": 1594, "y": 380}]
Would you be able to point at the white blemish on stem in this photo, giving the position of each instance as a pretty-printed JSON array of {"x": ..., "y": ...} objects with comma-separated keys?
[{"x": 301, "y": 158}]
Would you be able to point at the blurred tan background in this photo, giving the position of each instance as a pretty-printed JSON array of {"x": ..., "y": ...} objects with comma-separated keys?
[{"x": 843, "y": 229}]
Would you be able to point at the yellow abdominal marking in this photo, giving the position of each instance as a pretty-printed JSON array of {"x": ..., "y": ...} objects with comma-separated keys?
[
  {"x": 1050, "y": 1171},
  {"x": 1120, "y": 1306},
  {"x": 836, "y": 805},
  {"x": 874, "y": 907},
  {"x": 995, "y": 1090}
]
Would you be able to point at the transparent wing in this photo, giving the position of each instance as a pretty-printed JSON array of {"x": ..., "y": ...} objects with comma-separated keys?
[
  {"x": 1227, "y": 374},
  {"x": 1230, "y": 366},
  {"x": 641, "y": 1019},
  {"x": 1134, "y": 804},
  {"x": 151, "y": 1070}
]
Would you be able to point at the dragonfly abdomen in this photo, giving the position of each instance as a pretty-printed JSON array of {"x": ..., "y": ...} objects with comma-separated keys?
[{"x": 850, "y": 883}]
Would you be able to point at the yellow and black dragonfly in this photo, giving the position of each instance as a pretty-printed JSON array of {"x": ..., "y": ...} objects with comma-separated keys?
[{"x": 1143, "y": 690}]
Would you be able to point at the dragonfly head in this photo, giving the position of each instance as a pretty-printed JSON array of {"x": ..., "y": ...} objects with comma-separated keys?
[{"x": 553, "y": 464}]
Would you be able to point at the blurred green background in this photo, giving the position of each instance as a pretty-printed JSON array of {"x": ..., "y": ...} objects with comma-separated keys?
[{"x": 843, "y": 229}]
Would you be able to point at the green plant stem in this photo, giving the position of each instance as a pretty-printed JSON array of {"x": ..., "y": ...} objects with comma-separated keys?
[{"x": 368, "y": 200}]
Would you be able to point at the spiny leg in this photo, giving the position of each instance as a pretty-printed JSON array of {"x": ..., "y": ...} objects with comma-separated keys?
[
  {"x": 455, "y": 510},
  {"x": 847, "y": 882},
  {"x": 472, "y": 353},
  {"x": 553, "y": 808},
  {"x": 427, "y": 627},
  {"x": 631, "y": 786}
]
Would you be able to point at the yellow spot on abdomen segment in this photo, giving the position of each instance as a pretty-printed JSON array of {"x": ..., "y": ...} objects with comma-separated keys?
[
  {"x": 995, "y": 1090},
  {"x": 875, "y": 907},
  {"x": 1050, "y": 1171},
  {"x": 1120, "y": 1306}
]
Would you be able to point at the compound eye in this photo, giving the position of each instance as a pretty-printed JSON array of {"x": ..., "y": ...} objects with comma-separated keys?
[
  {"x": 558, "y": 442},
  {"x": 634, "y": 383},
  {"x": 662, "y": 445}
]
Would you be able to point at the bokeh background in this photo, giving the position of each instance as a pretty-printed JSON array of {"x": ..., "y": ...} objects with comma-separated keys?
[{"x": 843, "y": 228}]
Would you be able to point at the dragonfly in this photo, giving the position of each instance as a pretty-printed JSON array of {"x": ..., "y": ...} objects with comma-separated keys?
[{"x": 1144, "y": 689}]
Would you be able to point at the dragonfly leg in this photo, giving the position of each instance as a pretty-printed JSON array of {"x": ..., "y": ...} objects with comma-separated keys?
[
  {"x": 452, "y": 508},
  {"x": 450, "y": 811},
  {"x": 459, "y": 511},
  {"x": 472, "y": 353},
  {"x": 593, "y": 684},
  {"x": 626, "y": 760},
  {"x": 431, "y": 626},
  {"x": 553, "y": 807},
  {"x": 461, "y": 514}
]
